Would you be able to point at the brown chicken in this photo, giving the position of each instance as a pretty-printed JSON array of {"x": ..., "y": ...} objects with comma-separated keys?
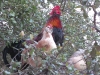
[{"x": 47, "y": 43}]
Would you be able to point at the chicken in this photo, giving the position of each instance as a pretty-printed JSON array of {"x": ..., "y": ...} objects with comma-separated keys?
[
  {"x": 47, "y": 43},
  {"x": 14, "y": 50},
  {"x": 78, "y": 61},
  {"x": 55, "y": 22}
]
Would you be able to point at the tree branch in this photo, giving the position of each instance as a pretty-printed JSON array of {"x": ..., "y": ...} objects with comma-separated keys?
[
  {"x": 63, "y": 2},
  {"x": 95, "y": 13}
]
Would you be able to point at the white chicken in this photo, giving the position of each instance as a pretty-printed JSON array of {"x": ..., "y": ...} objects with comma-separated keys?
[{"x": 77, "y": 60}]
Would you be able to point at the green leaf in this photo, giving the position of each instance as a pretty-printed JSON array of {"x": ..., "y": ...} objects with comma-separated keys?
[
  {"x": 31, "y": 21},
  {"x": 84, "y": 12},
  {"x": 31, "y": 52},
  {"x": 7, "y": 72},
  {"x": 13, "y": 20},
  {"x": 12, "y": 14},
  {"x": 95, "y": 50}
]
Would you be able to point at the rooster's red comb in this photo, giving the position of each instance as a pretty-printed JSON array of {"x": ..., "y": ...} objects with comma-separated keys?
[
  {"x": 57, "y": 7},
  {"x": 56, "y": 10}
]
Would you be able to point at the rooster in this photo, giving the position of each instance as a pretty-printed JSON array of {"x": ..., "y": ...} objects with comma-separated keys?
[{"x": 55, "y": 22}]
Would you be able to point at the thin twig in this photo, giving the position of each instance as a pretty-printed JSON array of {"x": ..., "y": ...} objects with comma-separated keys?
[
  {"x": 63, "y": 2},
  {"x": 95, "y": 13}
]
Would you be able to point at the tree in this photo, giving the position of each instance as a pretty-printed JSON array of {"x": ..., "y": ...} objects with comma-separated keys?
[{"x": 80, "y": 30}]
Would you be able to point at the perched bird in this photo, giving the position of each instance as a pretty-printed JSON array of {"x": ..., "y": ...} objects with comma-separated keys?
[
  {"x": 55, "y": 22},
  {"x": 58, "y": 36},
  {"x": 78, "y": 61},
  {"x": 47, "y": 43},
  {"x": 14, "y": 50}
]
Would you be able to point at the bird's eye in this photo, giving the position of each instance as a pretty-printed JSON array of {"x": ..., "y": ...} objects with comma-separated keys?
[{"x": 48, "y": 27}]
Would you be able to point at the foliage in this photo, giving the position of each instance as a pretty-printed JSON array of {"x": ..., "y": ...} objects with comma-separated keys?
[
  {"x": 19, "y": 15},
  {"x": 31, "y": 15}
]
